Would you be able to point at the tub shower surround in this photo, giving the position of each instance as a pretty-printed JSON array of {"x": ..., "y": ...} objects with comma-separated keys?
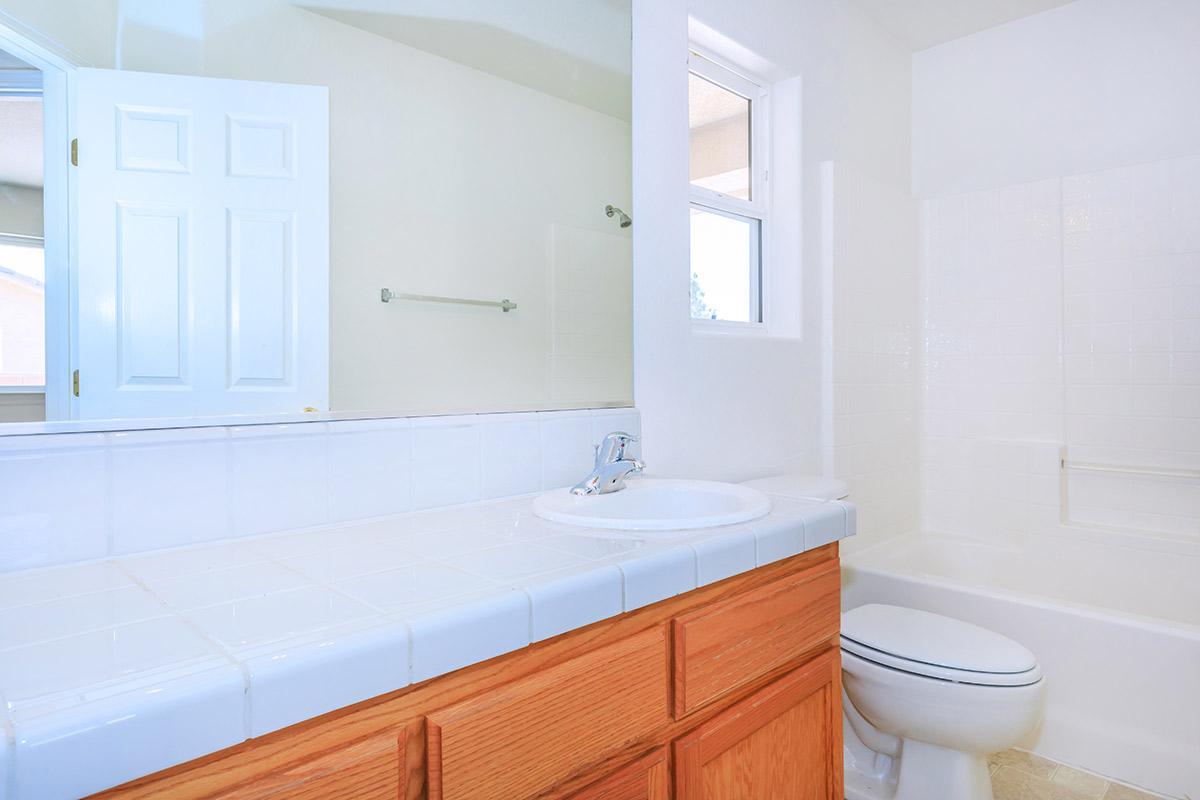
[{"x": 1062, "y": 324}]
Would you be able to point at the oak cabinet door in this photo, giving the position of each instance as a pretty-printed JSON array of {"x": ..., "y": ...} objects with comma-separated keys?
[
  {"x": 521, "y": 740},
  {"x": 783, "y": 741},
  {"x": 645, "y": 779}
]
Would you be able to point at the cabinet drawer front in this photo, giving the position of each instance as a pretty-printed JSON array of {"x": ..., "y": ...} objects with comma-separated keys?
[
  {"x": 647, "y": 778},
  {"x": 733, "y": 642},
  {"x": 521, "y": 739},
  {"x": 365, "y": 770}
]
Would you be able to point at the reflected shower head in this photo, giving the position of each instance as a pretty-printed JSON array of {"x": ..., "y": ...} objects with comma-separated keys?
[{"x": 611, "y": 210}]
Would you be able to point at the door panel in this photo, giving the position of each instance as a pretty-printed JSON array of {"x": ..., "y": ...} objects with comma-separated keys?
[
  {"x": 783, "y": 741},
  {"x": 203, "y": 246}
]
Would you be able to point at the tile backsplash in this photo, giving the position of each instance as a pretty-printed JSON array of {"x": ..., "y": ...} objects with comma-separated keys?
[{"x": 78, "y": 496}]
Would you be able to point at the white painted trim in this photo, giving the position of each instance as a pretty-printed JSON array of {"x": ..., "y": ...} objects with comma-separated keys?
[
  {"x": 34, "y": 47},
  {"x": 57, "y": 65},
  {"x": 22, "y": 240},
  {"x": 716, "y": 70}
]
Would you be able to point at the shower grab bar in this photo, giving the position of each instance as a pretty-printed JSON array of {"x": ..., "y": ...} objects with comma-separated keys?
[
  {"x": 1156, "y": 472},
  {"x": 505, "y": 305}
]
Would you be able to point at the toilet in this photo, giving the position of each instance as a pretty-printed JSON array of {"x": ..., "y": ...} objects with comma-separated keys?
[{"x": 926, "y": 698}]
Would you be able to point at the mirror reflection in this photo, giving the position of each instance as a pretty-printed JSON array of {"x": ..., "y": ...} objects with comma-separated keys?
[{"x": 402, "y": 207}]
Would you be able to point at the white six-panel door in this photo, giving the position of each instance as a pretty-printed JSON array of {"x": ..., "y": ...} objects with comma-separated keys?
[{"x": 203, "y": 246}]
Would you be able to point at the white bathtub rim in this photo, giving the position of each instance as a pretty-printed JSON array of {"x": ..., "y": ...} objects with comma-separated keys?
[
  {"x": 1125, "y": 618},
  {"x": 1158, "y": 762}
]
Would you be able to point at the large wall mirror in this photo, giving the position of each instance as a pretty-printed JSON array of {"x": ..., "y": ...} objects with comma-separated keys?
[{"x": 364, "y": 207}]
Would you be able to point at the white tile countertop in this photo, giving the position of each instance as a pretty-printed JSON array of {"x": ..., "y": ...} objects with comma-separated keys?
[{"x": 126, "y": 666}]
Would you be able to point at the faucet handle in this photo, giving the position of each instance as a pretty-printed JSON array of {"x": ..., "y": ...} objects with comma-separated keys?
[{"x": 613, "y": 447}]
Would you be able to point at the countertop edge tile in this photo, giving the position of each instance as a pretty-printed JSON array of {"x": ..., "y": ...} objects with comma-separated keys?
[
  {"x": 572, "y": 601},
  {"x": 725, "y": 555},
  {"x": 778, "y": 538},
  {"x": 456, "y": 637},
  {"x": 107, "y": 743},
  {"x": 828, "y": 523},
  {"x": 851, "y": 518},
  {"x": 292, "y": 684},
  {"x": 653, "y": 577}
]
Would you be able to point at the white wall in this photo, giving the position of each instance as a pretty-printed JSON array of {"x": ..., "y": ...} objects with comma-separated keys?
[
  {"x": 22, "y": 407},
  {"x": 82, "y": 31},
  {"x": 20, "y": 210},
  {"x": 1090, "y": 85},
  {"x": 872, "y": 327},
  {"x": 732, "y": 406},
  {"x": 1061, "y": 295}
]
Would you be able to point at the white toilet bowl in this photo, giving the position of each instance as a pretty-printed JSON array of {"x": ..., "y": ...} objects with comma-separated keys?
[{"x": 926, "y": 699}]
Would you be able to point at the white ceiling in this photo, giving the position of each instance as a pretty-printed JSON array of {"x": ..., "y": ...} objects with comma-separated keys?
[
  {"x": 21, "y": 133},
  {"x": 926, "y": 23},
  {"x": 575, "y": 49}
]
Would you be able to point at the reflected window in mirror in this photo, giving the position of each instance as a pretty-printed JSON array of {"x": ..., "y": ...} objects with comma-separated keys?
[{"x": 22, "y": 314}]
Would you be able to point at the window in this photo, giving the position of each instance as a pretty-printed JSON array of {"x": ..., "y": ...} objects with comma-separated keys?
[
  {"x": 22, "y": 314},
  {"x": 727, "y": 150}
]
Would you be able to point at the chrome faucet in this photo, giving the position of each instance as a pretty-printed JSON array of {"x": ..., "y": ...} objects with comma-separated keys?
[{"x": 611, "y": 468}]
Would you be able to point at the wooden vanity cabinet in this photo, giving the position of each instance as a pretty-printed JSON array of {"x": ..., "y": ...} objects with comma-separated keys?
[
  {"x": 648, "y": 778},
  {"x": 785, "y": 740},
  {"x": 728, "y": 692}
]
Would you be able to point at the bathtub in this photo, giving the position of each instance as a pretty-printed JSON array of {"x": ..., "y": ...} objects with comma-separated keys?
[{"x": 1113, "y": 620}]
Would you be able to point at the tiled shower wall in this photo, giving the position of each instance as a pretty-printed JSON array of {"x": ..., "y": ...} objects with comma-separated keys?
[
  {"x": 1062, "y": 321},
  {"x": 872, "y": 345},
  {"x": 80, "y": 496}
]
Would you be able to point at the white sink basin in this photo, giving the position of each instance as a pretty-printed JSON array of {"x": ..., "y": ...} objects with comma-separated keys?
[{"x": 656, "y": 504}]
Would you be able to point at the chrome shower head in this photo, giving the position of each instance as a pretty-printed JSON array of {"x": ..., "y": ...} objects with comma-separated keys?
[{"x": 611, "y": 210}]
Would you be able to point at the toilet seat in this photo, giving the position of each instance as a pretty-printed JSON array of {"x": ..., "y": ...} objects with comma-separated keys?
[{"x": 938, "y": 647}]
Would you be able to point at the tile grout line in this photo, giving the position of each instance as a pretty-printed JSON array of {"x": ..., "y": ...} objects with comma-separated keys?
[{"x": 221, "y": 649}]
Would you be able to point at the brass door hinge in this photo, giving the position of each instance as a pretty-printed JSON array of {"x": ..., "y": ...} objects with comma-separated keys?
[
  {"x": 75, "y": 382},
  {"x": 75, "y": 152}
]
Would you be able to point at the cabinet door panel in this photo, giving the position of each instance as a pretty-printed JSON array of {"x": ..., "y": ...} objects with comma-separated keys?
[
  {"x": 521, "y": 740},
  {"x": 783, "y": 741},
  {"x": 645, "y": 779},
  {"x": 728, "y": 644}
]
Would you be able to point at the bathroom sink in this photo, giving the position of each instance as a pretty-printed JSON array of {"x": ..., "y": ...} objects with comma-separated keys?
[{"x": 656, "y": 504}]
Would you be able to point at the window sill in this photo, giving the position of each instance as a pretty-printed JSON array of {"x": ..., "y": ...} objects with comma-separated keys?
[{"x": 747, "y": 330}]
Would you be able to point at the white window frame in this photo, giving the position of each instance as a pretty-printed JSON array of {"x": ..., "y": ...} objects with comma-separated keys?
[{"x": 714, "y": 70}]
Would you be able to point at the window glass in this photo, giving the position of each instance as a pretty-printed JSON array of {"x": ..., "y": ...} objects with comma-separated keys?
[
  {"x": 22, "y": 316},
  {"x": 718, "y": 138},
  {"x": 725, "y": 266}
]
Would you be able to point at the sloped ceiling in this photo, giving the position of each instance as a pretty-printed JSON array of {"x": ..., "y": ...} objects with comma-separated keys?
[
  {"x": 578, "y": 50},
  {"x": 926, "y": 23}
]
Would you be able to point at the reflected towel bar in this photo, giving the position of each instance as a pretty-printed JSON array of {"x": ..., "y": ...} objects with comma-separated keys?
[{"x": 505, "y": 305}]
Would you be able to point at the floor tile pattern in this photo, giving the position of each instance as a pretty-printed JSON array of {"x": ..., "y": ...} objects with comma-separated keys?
[{"x": 1017, "y": 775}]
